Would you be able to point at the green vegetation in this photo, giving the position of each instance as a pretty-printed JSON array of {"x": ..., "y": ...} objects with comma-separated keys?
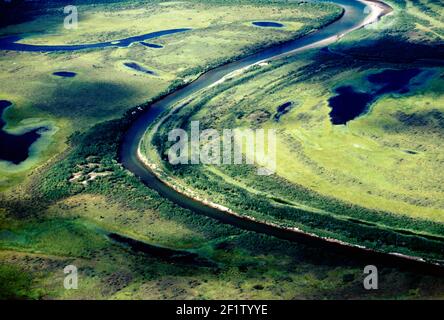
[
  {"x": 410, "y": 33},
  {"x": 375, "y": 182},
  {"x": 103, "y": 89},
  {"x": 60, "y": 210},
  {"x": 40, "y": 236},
  {"x": 39, "y": 241}
]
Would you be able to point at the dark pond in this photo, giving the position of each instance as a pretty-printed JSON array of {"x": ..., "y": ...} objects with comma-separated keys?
[
  {"x": 268, "y": 24},
  {"x": 15, "y": 148},
  {"x": 349, "y": 103},
  {"x": 10, "y": 43},
  {"x": 138, "y": 67},
  {"x": 151, "y": 45},
  {"x": 283, "y": 109},
  {"x": 65, "y": 74}
]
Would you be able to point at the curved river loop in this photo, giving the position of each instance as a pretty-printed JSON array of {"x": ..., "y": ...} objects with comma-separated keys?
[{"x": 357, "y": 14}]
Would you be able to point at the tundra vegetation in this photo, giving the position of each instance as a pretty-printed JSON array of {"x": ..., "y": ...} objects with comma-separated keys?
[
  {"x": 63, "y": 206},
  {"x": 373, "y": 181}
]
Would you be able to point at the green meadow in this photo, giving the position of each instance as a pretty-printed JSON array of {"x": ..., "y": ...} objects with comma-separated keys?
[{"x": 371, "y": 181}]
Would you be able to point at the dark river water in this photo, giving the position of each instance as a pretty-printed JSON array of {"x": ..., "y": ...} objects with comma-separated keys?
[
  {"x": 20, "y": 144},
  {"x": 393, "y": 80}
]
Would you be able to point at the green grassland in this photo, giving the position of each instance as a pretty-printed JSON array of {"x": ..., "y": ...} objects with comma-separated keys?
[
  {"x": 413, "y": 26},
  {"x": 360, "y": 183},
  {"x": 367, "y": 158},
  {"x": 67, "y": 222},
  {"x": 37, "y": 246},
  {"x": 78, "y": 193}
]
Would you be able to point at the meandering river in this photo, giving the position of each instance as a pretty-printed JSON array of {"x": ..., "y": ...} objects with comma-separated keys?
[{"x": 356, "y": 14}]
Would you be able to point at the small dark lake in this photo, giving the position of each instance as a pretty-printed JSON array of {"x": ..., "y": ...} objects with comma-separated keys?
[
  {"x": 10, "y": 43},
  {"x": 170, "y": 255},
  {"x": 15, "y": 148},
  {"x": 349, "y": 103},
  {"x": 283, "y": 109},
  {"x": 65, "y": 74},
  {"x": 138, "y": 67},
  {"x": 268, "y": 24},
  {"x": 151, "y": 45},
  {"x": 131, "y": 142}
]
